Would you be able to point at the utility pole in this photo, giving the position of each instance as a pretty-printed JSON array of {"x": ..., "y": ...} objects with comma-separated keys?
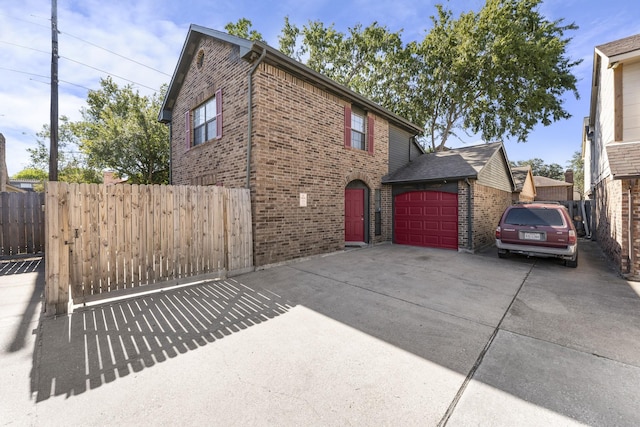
[{"x": 53, "y": 127}]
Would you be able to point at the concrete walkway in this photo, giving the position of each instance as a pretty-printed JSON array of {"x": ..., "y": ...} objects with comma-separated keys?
[{"x": 388, "y": 335}]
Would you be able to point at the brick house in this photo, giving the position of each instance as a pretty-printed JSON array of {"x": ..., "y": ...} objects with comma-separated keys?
[
  {"x": 312, "y": 152},
  {"x": 554, "y": 190},
  {"x": 452, "y": 199},
  {"x": 611, "y": 151},
  {"x": 525, "y": 188}
]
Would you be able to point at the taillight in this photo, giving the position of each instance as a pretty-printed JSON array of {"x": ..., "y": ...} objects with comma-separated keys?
[
  {"x": 572, "y": 237},
  {"x": 498, "y": 233}
]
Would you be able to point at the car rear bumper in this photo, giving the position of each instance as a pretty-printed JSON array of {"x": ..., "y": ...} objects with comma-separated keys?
[{"x": 565, "y": 253}]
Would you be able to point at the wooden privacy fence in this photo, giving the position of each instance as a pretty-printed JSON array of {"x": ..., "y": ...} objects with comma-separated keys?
[
  {"x": 21, "y": 223},
  {"x": 104, "y": 241}
]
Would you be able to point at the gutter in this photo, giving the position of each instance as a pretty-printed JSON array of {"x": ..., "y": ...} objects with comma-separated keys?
[{"x": 250, "y": 113}]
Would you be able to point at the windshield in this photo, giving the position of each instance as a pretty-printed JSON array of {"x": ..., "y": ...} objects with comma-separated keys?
[{"x": 534, "y": 216}]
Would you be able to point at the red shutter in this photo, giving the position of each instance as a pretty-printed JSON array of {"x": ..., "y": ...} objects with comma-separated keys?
[
  {"x": 347, "y": 126},
  {"x": 219, "y": 114},
  {"x": 187, "y": 128},
  {"x": 370, "y": 125}
]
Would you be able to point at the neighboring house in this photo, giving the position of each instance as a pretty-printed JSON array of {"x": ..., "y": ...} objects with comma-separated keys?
[
  {"x": 24, "y": 184},
  {"x": 452, "y": 199},
  {"x": 312, "y": 152},
  {"x": 554, "y": 190},
  {"x": 611, "y": 151},
  {"x": 110, "y": 178},
  {"x": 525, "y": 188}
]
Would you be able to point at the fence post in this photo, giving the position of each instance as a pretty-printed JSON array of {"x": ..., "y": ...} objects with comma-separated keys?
[{"x": 56, "y": 251}]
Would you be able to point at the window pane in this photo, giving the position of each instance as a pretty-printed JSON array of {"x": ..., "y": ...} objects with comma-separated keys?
[
  {"x": 198, "y": 116},
  {"x": 198, "y": 135},
  {"x": 357, "y": 122},
  {"x": 210, "y": 107},
  {"x": 211, "y": 129},
  {"x": 526, "y": 216},
  {"x": 357, "y": 140}
]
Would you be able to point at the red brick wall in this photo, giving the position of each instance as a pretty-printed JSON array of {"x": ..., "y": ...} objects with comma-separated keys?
[
  {"x": 220, "y": 161},
  {"x": 297, "y": 147}
]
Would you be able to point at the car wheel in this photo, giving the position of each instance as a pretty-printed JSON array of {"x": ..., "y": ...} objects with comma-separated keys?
[
  {"x": 573, "y": 263},
  {"x": 502, "y": 253}
]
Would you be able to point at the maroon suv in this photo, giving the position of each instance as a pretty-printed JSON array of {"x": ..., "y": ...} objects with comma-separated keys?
[{"x": 538, "y": 229}]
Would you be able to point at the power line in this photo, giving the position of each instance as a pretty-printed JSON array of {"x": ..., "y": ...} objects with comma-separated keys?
[
  {"x": 104, "y": 71},
  {"x": 115, "y": 53},
  {"x": 72, "y": 60}
]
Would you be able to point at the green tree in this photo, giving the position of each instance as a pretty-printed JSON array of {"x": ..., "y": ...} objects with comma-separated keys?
[
  {"x": 31, "y": 173},
  {"x": 577, "y": 165},
  {"x": 496, "y": 73},
  {"x": 372, "y": 60},
  {"x": 72, "y": 164},
  {"x": 242, "y": 28},
  {"x": 120, "y": 131},
  {"x": 540, "y": 168}
]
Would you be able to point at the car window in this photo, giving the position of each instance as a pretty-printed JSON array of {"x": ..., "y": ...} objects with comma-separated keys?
[{"x": 534, "y": 216}]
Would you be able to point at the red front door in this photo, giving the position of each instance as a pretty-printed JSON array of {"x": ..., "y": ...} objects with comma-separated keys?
[{"x": 354, "y": 215}]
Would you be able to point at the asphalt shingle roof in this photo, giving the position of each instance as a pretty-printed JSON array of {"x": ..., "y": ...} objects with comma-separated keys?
[
  {"x": 456, "y": 163},
  {"x": 618, "y": 47},
  {"x": 624, "y": 159},
  {"x": 543, "y": 181}
]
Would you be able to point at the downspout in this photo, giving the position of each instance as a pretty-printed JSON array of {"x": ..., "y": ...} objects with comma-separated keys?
[
  {"x": 469, "y": 221},
  {"x": 630, "y": 268},
  {"x": 250, "y": 113},
  {"x": 170, "y": 154}
]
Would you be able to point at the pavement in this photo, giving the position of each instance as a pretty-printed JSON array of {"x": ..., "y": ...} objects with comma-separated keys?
[{"x": 384, "y": 335}]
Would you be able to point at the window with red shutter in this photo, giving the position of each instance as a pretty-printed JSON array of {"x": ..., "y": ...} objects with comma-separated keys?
[{"x": 347, "y": 126}]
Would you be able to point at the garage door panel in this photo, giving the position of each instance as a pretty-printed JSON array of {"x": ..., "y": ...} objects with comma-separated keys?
[{"x": 426, "y": 218}]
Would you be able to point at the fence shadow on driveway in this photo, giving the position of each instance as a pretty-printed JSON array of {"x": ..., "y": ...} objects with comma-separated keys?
[{"x": 98, "y": 345}]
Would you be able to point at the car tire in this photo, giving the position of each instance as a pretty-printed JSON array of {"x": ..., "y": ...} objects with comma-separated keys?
[
  {"x": 502, "y": 253},
  {"x": 572, "y": 263}
]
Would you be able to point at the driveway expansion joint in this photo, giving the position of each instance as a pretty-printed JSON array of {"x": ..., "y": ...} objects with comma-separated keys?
[{"x": 476, "y": 365}]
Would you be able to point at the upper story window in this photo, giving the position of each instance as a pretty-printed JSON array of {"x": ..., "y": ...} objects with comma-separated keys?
[
  {"x": 204, "y": 123},
  {"x": 358, "y": 129}
]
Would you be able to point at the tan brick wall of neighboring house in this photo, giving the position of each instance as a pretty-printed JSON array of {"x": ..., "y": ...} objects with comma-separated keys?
[
  {"x": 489, "y": 204},
  {"x": 299, "y": 147},
  {"x": 608, "y": 217},
  {"x": 629, "y": 205},
  {"x": 220, "y": 161},
  {"x": 551, "y": 194},
  {"x": 463, "y": 212}
]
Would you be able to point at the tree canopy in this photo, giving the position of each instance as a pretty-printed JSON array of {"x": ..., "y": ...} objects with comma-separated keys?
[
  {"x": 120, "y": 131},
  {"x": 72, "y": 163},
  {"x": 494, "y": 73},
  {"x": 540, "y": 168}
]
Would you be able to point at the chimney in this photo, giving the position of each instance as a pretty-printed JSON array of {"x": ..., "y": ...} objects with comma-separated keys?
[{"x": 568, "y": 176}]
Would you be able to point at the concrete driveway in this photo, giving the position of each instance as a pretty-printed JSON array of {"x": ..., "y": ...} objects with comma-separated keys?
[{"x": 388, "y": 335}]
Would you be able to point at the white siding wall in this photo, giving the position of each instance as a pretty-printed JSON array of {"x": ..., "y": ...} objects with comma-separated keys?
[
  {"x": 604, "y": 124},
  {"x": 631, "y": 101}
]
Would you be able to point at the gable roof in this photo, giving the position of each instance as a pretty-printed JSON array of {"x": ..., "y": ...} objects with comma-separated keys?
[
  {"x": 250, "y": 51},
  {"x": 620, "y": 47},
  {"x": 613, "y": 52},
  {"x": 520, "y": 174},
  {"x": 543, "y": 181},
  {"x": 454, "y": 164},
  {"x": 624, "y": 159}
]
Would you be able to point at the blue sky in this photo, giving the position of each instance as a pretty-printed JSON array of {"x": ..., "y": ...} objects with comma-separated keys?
[{"x": 96, "y": 37}]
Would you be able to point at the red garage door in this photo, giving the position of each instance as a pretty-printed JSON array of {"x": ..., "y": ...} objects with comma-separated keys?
[{"x": 427, "y": 218}]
